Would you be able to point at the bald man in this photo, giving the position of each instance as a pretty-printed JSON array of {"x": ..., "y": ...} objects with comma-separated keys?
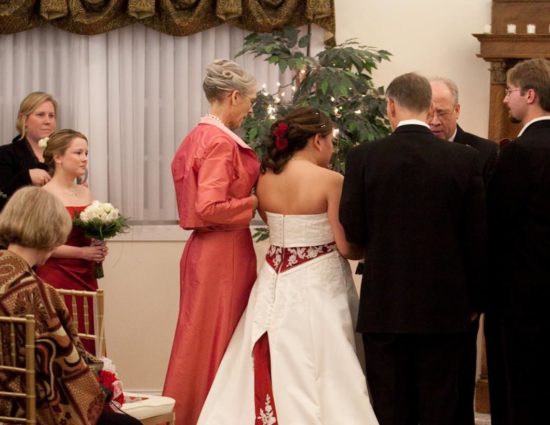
[{"x": 444, "y": 124}]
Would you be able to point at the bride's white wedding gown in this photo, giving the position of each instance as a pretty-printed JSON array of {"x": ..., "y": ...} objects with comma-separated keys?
[{"x": 305, "y": 301}]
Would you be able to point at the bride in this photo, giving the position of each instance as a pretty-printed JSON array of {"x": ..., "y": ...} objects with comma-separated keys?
[{"x": 292, "y": 359}]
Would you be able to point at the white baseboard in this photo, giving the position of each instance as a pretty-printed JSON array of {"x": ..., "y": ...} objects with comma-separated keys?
[{"x": 150, "y": 391}]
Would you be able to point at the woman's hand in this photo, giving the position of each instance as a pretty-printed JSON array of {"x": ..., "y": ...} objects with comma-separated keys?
[
  {"x": 97, "y": 251},
  {"x": 255, "y": 200},
  {"x": 39, "y": 177}
]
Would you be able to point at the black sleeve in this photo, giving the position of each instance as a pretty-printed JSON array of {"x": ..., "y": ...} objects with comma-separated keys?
[
  {"x": 490, "y": 164},
  {"x": 475, "y": 239},
  {"x": 12, "y": 175},
  {"x": 353, "y": 201}
]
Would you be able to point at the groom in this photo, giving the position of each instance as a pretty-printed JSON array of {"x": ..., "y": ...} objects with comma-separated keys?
[{"x": 418, "y": 207}]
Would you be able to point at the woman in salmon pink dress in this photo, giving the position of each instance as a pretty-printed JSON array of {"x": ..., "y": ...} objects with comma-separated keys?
[
  {"x": 214, "y": 172},
  {"x": 72, "y": 265}
]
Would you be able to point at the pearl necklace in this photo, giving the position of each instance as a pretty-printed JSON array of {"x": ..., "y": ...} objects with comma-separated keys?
[{"x": 215, "y": 118}]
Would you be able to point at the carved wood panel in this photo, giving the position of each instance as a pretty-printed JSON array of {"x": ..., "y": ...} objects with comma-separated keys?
[{"x": 503, "y": 50}]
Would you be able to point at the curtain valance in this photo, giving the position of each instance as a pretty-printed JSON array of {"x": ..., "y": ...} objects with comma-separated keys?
[{"x": 174, "y": 17}]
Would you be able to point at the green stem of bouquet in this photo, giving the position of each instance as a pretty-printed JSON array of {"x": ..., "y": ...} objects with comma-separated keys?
[
  {"x": 99, "y": 266},
  {"x": 99, "y": 270}
]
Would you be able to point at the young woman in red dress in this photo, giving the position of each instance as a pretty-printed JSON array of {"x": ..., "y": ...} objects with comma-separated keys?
[{"x": 72, "y": 265}]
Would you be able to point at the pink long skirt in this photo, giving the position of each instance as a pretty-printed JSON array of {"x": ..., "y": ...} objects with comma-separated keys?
[{"x": 217, "y": 271}]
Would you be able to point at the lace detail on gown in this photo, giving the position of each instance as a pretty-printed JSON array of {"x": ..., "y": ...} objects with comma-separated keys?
[
  {"x": 266, "y": 414},
  {"x": 282, "y": 259}
]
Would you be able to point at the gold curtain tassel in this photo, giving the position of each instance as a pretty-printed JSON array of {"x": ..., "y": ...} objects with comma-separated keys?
[
  {"x": 318, "y": 9},
  {"x": 141, "y": 9},
  {"x": 53, "y": 9},
  {"x": 229, "y": 9}
]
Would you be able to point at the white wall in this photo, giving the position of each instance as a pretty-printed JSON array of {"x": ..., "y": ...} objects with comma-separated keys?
[
  {"x": 432, "y": 37},
  {"x": 141, "y": 306}
]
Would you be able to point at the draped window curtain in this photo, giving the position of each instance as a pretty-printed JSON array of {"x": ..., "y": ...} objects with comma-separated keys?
[
  {"x": 175, "y": 17},
  {"x": 135, "y": 92}
]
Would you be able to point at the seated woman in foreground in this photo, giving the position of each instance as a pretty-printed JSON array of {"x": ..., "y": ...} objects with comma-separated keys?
[
  {"x": 292, "y": 359},
  {"x": 32, "y": 224}
]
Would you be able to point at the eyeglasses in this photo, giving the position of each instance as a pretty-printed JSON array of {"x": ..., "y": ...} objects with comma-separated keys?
[
  {"x": 442, "y": 113},
  {"x": 507, "y": 91}
]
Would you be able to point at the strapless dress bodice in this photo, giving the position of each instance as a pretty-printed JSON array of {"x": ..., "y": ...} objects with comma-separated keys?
[{"x": 299, "y": 230}]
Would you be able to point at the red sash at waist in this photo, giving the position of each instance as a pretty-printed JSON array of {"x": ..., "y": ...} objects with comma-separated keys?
[{"x": 282, "y": 259}]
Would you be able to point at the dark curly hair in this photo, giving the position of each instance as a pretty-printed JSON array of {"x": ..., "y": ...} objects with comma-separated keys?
[{"x": 294, "y": 130}]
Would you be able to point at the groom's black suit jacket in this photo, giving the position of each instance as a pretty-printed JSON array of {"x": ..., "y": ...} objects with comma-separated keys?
[{"x": 418, "y": 206}]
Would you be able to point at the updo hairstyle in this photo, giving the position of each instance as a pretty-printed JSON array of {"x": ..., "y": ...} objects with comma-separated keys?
[
  {"x": 291, "y": 133},
  {"x": 224, "y": 76},
  {"x": 58, "y": 143},
  {"x": 28, "y": 105}
]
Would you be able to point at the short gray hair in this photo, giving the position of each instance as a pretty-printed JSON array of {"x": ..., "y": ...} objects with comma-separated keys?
[
  {"x": 450, "y": 84},
  {"x": 224, "y": 76}
]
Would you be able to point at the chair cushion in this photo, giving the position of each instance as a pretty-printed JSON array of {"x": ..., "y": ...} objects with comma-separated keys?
[{"x": 142, "y": 406}]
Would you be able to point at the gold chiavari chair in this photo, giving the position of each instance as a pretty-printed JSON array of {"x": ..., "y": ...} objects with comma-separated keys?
[
  {"x": 149, "y": 409},
  {"x": 74, "y": 298},
  {"x": 18, "y": 360}
]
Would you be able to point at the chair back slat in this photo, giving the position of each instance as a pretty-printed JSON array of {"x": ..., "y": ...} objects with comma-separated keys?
[
  {"x": 95, "y": 321},
  {"x": 13, "y": 347},
  {"x": 9, "y": 364},
  {"x": 86, "y": 315},
  {"x": 74, "y": 310}
]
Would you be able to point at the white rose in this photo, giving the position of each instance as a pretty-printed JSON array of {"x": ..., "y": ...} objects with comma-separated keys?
[
  {"x": 110, "y": 217},
  {"x": 42, "y": 143}
]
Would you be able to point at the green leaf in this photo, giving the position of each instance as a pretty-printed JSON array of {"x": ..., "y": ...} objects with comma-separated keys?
[
  {"x": 304, "y": 41},
  {"x": 339, "y": 76},
  {"x": 324, "y": 86}
]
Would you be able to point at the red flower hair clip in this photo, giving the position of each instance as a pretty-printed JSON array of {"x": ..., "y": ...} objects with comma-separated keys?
[{"x": 279, "y": 132}]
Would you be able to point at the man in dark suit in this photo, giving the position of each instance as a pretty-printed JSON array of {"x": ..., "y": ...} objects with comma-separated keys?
[
  {"x": 443, "y": 124},
  {"x": 418, "y": 207},
  {"x": 518, "y": 323}
]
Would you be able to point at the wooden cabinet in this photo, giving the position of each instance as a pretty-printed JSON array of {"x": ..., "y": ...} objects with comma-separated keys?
[{"x": 503, "y": 50}]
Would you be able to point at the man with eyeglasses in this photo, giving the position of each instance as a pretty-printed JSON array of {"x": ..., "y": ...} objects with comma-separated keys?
[
  {"x": 517, "y": 321},
  {"x": 443, "y": 124}
]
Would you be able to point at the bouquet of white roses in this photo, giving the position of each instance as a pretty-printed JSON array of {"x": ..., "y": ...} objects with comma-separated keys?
[{"x": 100, "y": 221}]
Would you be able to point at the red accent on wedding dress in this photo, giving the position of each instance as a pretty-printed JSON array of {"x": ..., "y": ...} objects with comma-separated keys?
[{"x": 266, "y": 414}]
